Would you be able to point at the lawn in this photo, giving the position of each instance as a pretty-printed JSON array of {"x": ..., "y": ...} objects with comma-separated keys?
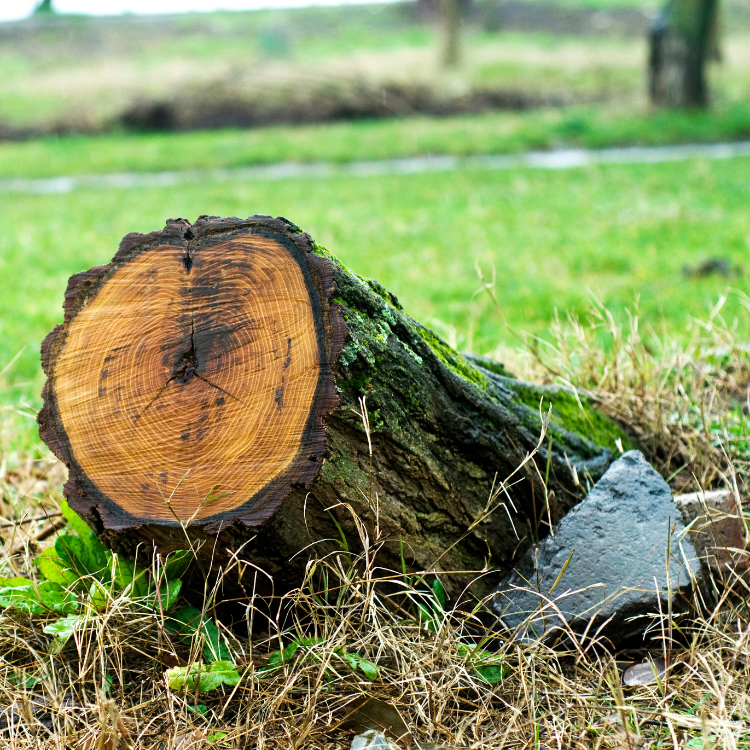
[
  {"x": 487, "y": 133},
  {"x": 622, "y": 232},
  {"x": 82, "y": 75},
  {"x": 554, "y": 237}
]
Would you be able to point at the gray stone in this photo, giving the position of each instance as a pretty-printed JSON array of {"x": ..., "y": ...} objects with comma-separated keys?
[
  {"x": 609, "y": 554},
  {"x": 372, "y": 740}
]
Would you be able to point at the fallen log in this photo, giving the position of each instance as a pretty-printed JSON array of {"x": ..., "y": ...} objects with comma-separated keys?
[{"x": 231, "y": 383}]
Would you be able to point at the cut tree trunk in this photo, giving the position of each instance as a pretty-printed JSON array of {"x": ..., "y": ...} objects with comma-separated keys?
[
  {"x": 210, "y": 381},
  {"x": 681, "y": 41}
]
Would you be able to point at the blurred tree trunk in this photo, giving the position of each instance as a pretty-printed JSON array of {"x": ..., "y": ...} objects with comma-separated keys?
[
  {"x": 682, "y": 39},
  {"x": 451, "y": 32},
  {"x": 44, "y": 7}
]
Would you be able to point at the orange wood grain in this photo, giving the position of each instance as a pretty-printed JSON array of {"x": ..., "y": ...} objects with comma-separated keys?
[{"x": 184, "y": 391}]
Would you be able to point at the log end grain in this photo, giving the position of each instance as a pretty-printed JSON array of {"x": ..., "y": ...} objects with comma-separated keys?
[{"x": 189, "y": 380}]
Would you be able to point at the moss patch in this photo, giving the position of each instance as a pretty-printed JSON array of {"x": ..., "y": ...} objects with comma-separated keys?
[
  {"x": 498, "y": 368},
  {"x": 322, "y": 252},
  {"x": 454, "y": 361},
  {"x": 582, "y": 419},
  {"x": 383, "y": 293}
]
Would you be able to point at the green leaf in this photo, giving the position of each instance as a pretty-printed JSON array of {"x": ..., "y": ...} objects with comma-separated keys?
[
  {"x": 278, "y": 658},
  {"x": 203, "y": 676},
  {"x": 14, "y": 582},
  {"x": 54, "y": 569},
  {"x": 76, "y": 555},
  {"x": 127, "y": 574},
  {"x": 99, "y": 554},
  {"x": 216, "y": 648},
  {"x": 189, "y": 622},
  {"x": 439, "y": 592},
  {"x": 371, "y": 670},
  {"x": 85, "y": 555},
  {"x": 484, "y": 664},
  {"x": 25, "y": 681},
  {"x": 169, "y": 592},
  {"x": 77, "y": 523},
  {"x": 184, "y": 623},
  {"x": 38, "y": 599},
  {"x": 177, "y": 563},
  {"x": 216, "y": 736},
  {"x": 62, "y": 629},
  {"x": 97, "y": 597},
  {"x": 355, "y": 661},
  {"x": 427, "y": 617},
  {"x": 201, "y": 709},
  {"x": 72, "y": 551},
  {"x": 286, "y": 654},
  {"x": 491, "y": 673}
]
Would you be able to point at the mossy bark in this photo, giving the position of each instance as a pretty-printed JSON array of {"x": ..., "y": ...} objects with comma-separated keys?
[{"x": 445, "y": 432}]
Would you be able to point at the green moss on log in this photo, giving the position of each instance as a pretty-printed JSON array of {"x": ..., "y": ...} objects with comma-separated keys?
[
  {"x": 444, "y": 427},
  {"x": 454, "y": 361},
  {"x": 574, "y": 413}
]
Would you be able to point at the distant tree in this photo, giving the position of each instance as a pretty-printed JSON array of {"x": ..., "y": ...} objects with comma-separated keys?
[
  {"x": 44, "y": 7},
  {"x": 452, "y": 12},
  {"x": 682, "y": 40}
]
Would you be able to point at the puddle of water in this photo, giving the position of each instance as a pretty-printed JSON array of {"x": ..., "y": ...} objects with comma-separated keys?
[{"x": 561, "y": 159}]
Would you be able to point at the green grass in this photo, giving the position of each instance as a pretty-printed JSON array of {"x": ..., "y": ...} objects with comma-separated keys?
[
  {"x": 494, "y": 133},
  {"x": 620, "y": 231},
  {"x": 82, "y": 75}
]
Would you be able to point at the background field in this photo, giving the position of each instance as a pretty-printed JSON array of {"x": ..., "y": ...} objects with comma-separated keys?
[
  {"x": 621, "y": 232},
  {"x": 624, "y": 233},
  {"x": 89, "y": 75}
]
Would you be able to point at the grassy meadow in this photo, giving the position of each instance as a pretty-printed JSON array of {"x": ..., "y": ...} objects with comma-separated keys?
[{"x": 623, "y": 233}]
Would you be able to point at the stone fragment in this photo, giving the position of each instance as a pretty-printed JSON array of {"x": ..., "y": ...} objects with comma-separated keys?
[
  {"x": 718, "y": 532},
  {"x": 645, "y": 673},
  {"x": 604, "y": 572},
  {"x": 373, "y": 713},
  {"x": 372, "y": 740}
]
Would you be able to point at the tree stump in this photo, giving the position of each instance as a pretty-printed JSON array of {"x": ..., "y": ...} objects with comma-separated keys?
[{"x": 214, "y": 382}]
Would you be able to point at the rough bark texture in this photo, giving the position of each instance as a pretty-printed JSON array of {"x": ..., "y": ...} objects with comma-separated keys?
[
  {"x": 680, "y": 44},
  {"x": 443, "y": 429}
]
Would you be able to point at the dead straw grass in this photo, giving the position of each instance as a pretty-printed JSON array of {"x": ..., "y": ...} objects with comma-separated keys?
[
  {"x": 107, "y": 689},
  {"x": 685, "y": 404}
]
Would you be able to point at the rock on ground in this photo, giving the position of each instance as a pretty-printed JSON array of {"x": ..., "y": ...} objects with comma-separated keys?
[
  {"x": 718, "y": 532},
  {"x": 605, "y": 568}
]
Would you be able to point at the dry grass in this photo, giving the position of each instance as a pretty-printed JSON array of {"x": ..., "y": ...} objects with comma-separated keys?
[
  {"x": 686, "y": 404},
  {"x": 107, "y": 689}
]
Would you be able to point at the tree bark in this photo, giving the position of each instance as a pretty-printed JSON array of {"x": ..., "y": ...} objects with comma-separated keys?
[
  {"x": 213, "y": 382},
  {"x": 681, "y": 41},
  {"x": 451, "y": 32}
]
